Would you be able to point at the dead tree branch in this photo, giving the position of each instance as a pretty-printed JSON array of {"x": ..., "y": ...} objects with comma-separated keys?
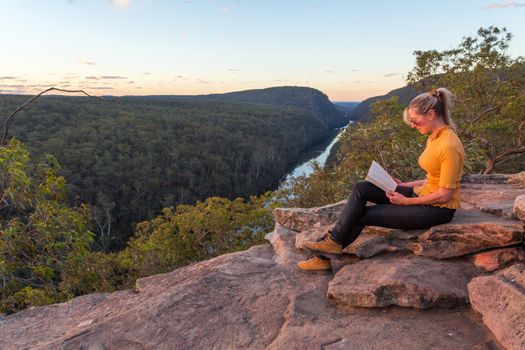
[{"x": 25, "y": 104}]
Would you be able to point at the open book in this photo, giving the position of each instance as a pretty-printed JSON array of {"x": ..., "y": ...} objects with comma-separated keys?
[{"x": 379, "y": 177}]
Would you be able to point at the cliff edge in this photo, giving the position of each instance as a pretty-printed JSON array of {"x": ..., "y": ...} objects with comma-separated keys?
[{"x": 460, "y": 285}]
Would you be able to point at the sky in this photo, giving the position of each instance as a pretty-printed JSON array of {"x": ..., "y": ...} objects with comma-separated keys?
[{"x": 348, "y": 49}]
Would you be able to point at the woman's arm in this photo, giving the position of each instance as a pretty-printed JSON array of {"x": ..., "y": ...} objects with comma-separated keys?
[
  {"x": 442, "y": 195},
  {"x": 409, "y": 184},
  {"x": 412, "y": 183}
]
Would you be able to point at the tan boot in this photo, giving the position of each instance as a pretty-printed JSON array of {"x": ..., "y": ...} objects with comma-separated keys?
[
  {"x": 324, "y": 245},
  {"x": 315, "y": 264}
]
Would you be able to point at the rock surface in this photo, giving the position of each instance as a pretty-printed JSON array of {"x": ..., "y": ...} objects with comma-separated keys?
[
  {"x": 242, "y": 300},
  {"x": 500, "y": 299},
  {"x": 498, "y": 258},
  {"x": 519, "y": 207},
  {"x": 257, "y": 299},
  {"x": 300, "y": 219},
  {"x": 405, "y": 281},
  {"x": 468, "y": 232},
  {"x": 494, "y": 194}
]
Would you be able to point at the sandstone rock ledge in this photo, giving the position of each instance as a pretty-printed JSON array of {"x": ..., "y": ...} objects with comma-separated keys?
[{"x": 385, "y": 294}]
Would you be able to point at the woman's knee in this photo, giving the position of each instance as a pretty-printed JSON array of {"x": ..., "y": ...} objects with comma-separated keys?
[{"x": 360, "y": 188}]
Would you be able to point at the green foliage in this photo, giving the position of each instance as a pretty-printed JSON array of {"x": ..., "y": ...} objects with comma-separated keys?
[
  {"x": 490, "y": 90},
  {"x": 193, "y": 233},
  {"x": 39, "y": 233},
  {"x": 45, "y": 245},
  {"x": 90, "y": 272},
  {"x": 322, "y": 187},
  {"x": 130, "y": 157}
]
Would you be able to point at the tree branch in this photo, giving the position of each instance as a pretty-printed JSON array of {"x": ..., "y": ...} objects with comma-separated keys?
[
  {"x": 3, "y": 104},
  {"x": 508, "y": 159},
  {"x": 25, "y": 104},
  {"x": 500, "y": 158},
  {"x": 482, "y": 114}
]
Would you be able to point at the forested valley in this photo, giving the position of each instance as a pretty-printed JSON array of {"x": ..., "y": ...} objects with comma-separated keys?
[{"x": 130, "y": 157}]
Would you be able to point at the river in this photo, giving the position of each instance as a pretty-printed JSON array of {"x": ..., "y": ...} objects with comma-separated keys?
[{"x": 318, "y": 153}]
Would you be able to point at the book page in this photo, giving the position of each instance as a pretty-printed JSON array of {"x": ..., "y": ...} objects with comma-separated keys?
[{"x": 379, "y": 177}]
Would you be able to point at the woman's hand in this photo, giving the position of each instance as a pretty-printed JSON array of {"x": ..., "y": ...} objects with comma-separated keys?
[{"x": 397, "y": 198}]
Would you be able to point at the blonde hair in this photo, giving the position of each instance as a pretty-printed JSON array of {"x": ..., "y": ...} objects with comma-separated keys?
[{"x": 440, "y": 100}]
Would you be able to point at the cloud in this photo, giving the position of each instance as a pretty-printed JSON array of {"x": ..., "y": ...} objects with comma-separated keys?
[
  {"x": 504, "y": 5},
  {"x": 330, "y": 72},
  {"x": 112, "y": 77},
  {"x": 390, "y": 75},
  {"x": 87, "y": 87},
  {"x": 180, "y": 77},
  {"x": 146, "y": 73},
  {"x": 7, "y": 91},
  {"x": 202, "y": 81},
  {"x": 9, "y": 78},
  {"x": 233, "y": 70},
  {"x": 88, "y": 63},
  {"x": 188, "y": 1},
  {"x": 12, "y": 86},
  {"x": 121, "y": 3},
  {"x": 225, "y": 9}
]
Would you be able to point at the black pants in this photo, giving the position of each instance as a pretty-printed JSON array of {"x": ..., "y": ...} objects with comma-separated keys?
[{"x": 356, "y": 215}]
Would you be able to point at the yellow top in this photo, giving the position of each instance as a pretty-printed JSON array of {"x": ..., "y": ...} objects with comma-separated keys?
[{"x": 442, "y": 159}]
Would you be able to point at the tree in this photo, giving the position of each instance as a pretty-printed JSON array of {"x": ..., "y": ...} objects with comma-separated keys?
[
  {"x": 39, "y": 233},
  {"x": 193, "y": 233},
  {"x": 490, "y": 90}
]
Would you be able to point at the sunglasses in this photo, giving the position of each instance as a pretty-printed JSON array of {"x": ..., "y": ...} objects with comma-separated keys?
[{"x": 414, "y": 121}]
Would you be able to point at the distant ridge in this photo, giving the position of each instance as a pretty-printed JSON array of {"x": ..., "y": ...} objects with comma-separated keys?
[
  {"x": 345, "y": 107},
  {"x": 362, "y": 111},
  {"x": 304, "y": 98}
]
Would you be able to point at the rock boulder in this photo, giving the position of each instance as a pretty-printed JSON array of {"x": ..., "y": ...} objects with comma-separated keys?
[
  {"x": 468, "y": 232},
  {"x": 500, "y": 299},
  {"x": 408, "y": 281},
  {"x": 518, "y": 208},
  {"x": 495, "y": 259}
]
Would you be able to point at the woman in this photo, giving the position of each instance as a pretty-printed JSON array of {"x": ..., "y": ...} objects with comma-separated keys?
[{"x": 414, "y": 205}]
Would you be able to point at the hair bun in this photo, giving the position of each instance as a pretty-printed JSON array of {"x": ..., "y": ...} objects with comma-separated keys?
[{"x": 434, "y": 92}]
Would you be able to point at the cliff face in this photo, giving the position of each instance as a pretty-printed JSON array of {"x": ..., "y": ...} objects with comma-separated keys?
[
  {"x": 455, "y": 286},
  {"x": 362, "y": 111},
  {"x": 307, "y": 99}
]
